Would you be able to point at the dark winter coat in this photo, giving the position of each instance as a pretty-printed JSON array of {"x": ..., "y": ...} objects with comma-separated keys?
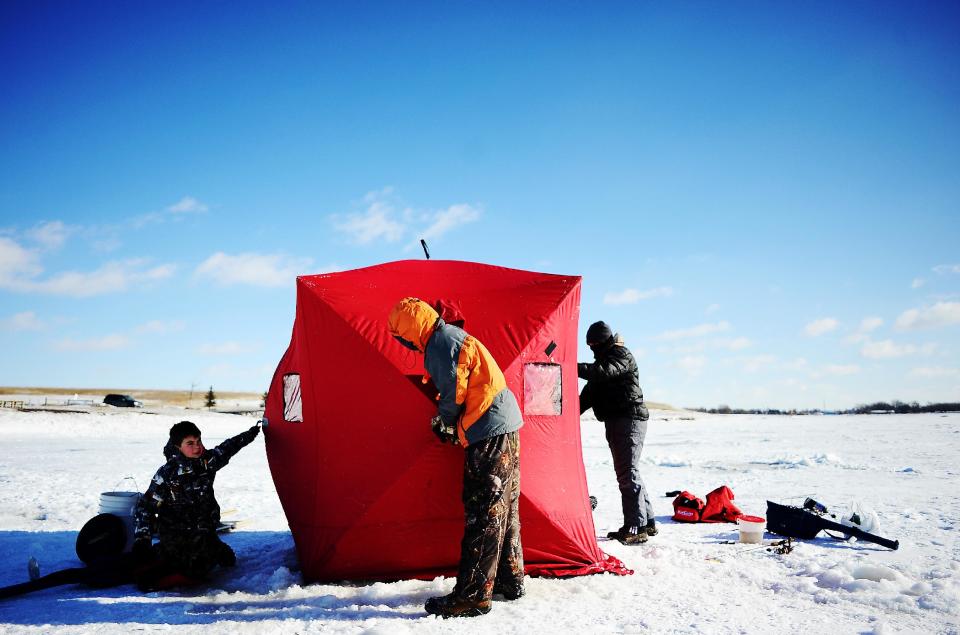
[
  {"x": 613, "y": 383},
  {"x": 180, "y": 502}
]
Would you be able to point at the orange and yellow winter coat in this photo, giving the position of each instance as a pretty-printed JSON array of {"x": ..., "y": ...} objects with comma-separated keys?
[{"x": 473, "y": 392}]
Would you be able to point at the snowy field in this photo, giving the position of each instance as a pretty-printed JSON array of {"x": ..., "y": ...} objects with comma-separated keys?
[{"x": 688, "y": 579}]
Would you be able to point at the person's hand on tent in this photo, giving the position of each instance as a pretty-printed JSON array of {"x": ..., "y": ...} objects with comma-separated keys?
[
  {"x": 252, "y": 433},
  {"x": 442, "y": 430}
]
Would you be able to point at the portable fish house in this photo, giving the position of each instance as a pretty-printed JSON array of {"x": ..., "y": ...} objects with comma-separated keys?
[{"x": 368, "y": 491}]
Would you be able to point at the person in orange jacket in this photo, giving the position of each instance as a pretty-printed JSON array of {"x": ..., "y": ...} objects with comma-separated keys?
[{"x": 477, "y": 411}]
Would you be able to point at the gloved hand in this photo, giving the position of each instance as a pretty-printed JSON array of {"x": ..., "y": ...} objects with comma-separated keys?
[
  {"x": 251, "y": 434},
  {"x": 142, "y": 549},
  {"x": 582, "y": 369},
  {"x": 443, "y": 431}
]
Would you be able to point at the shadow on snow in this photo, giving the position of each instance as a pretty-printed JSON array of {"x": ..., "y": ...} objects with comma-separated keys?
[{"x": 241, "y": 594}]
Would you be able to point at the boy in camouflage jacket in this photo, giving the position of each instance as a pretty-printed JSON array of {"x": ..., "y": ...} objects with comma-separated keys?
[{"x": 180, "y": 505}]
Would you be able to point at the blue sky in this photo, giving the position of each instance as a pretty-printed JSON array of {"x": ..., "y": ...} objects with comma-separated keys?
[{"x": 762, "y": 198}]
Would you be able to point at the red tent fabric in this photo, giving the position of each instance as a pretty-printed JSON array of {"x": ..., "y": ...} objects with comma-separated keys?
[{"x": 367, "y": 490}]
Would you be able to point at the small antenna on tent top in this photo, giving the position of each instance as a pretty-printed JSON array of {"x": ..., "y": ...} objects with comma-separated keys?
[{"x": 426, "y": 252}]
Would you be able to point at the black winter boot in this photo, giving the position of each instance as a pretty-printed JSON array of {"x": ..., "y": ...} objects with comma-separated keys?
[
  {"x": 651, "y": 528},
  {"x": 451, "y": 606},
  {"x": 629, "y": 535},
  {"x": 509, "y": 590}
]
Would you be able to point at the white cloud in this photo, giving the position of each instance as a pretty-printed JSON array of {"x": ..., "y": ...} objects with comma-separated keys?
[
  {"x": 377, "y": 222},
  {"x": 106, "y": 343},
  {"x": 385, "y": 219},
  {"x": 687, "y": 348},
  {"x": 838, "y": 369},
  {"x": 445, "y": 220},
  {"x": 19, "y": 271},
  {"x": 735, "y": 344},
  {"x": 112, "y": 277},
  {"x": 262, "y": 270},
  {"x": 225, "y": 348},
  {"x": 917, "y": 283},
  {"x": 888, "y": 349},
  {"x": 187, "y": 205},
  {"x": 797, "y": 364},
  {"x": 632, "y": 296},
  {"x": 150, "y": 218},
  {"x": 692, "y": 364},
  {"x": 935, "y": 371},
  {"x": 159, "y": 327},
  {"x": 757, "y": 362},
  {"x": 942, "y": 269},
  {"x": 16, "y": 262},
  {"x": 106, "y": 243},
  {"x": 695, "y": 331},
  {"x": 821, "y": 326},
  {"x": 627, "y": 296},
  {"x": 940, "y": 314},
  {"x": 25, "y": 321},
  {"x": 50, "y": 235},
  {"x": 867, "y": 325}
]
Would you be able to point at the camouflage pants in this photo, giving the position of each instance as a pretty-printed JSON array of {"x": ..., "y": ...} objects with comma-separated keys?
[
  {"x": 490, "y": 550},
  {"x": 195, "y": 554}
]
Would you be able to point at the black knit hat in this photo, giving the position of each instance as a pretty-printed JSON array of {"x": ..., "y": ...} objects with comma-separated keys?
[
  {"x": 599, "y": 333},
  {"x": 182, "y": 430}
]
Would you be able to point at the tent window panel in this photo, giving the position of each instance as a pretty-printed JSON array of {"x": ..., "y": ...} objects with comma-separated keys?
[
  {"x": 542, "y": 393},
  {"x": 292, "y": 406}
]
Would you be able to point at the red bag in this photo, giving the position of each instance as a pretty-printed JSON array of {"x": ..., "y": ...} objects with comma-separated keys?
[
  {"x": 720, "y": 507},
  {"x": 687, "y": 508}
]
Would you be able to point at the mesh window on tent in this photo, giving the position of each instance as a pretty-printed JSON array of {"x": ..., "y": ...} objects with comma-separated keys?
[
  {"x": 292, "y": 406},
  {"x": 541, "y": 389}
]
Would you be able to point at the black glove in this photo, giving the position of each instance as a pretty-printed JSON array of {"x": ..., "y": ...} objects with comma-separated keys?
[
  {"x": 142, "y": 549},
  {"x": 251, "y": 434},
  {"x": 582, "y": 369},
  {"x": 442, "y": 430}
]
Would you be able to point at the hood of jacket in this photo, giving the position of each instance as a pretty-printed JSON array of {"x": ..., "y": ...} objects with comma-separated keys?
[
  {"x": 171, "y": 451},
  {"x": 413, "y": 321},
  {"x": 604, "y": 349}
]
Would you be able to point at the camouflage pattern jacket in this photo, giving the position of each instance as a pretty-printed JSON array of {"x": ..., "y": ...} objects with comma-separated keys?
[{"x": 180, "y": 500}]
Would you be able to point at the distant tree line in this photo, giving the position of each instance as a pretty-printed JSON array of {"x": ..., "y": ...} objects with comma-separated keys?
[
  {"x": 880, "y": 407},
  {"x": 900, "y": 407},
  {"x": 727, "y": 410}
]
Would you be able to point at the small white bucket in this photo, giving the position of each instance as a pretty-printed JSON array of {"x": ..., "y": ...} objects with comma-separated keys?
[
  {"x": 751, "y": 528},
  {"x": 121, "y": 504}
]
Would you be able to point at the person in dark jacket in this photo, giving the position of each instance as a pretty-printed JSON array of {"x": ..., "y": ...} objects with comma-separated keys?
[
  {"x": 181, "y": 507},
  {"x": 613, "y": 391},
  {"x": 476, "y": 410}
]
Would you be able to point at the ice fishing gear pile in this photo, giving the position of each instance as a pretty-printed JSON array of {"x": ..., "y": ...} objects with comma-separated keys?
[
  {"x": 779, "y": 547},
  {"x": 808, "y": 521},
  {"x": 719, "y": 507}
]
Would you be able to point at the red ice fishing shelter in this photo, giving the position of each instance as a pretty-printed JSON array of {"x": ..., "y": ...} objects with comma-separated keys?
[{"x": 368, "y": 491}]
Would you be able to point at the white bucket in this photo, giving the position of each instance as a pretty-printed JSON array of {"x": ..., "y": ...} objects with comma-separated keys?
[
  {"x": 751, "y": 528},
  {"x": 121, "y": 504}
]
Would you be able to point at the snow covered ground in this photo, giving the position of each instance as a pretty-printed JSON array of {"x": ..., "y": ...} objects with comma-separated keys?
[{"x": 688, "y": 579}]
